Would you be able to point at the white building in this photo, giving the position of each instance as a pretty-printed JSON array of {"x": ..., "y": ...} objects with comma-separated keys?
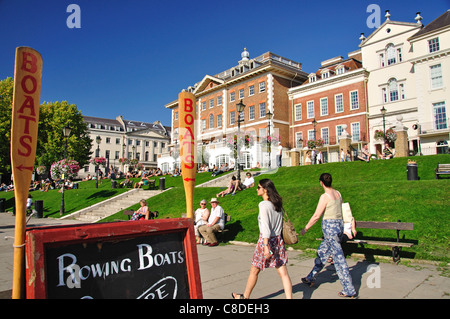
[
  {"x": 120, "y": 138},
  {"x": 431, "y": 68},
  {"x": 407, "y": 64}
]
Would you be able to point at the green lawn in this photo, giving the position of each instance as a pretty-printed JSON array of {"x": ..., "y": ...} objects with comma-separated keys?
[{"x": 376, "y": 191}]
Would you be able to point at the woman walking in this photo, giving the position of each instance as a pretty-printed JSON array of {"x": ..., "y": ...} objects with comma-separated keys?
[
  {"x": 330, "y": 205},
  {"x": 270, "y": 251}
]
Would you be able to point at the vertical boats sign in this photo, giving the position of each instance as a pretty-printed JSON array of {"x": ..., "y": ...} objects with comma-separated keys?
[
  {"x": 24, "y": 130},
  {"x": 186, "y": 103}
]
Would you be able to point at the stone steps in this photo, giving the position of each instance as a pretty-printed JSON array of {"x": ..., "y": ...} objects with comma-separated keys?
[{"x": 111, "y": 206}]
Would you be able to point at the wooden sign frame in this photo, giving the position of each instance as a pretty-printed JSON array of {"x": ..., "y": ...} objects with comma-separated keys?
[{"x": 39, "y": 241}]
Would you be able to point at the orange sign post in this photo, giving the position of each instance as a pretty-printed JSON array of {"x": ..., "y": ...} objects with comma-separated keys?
[
  {"x": 24, "y": 130},
  {"x": 186, "y": 105}
]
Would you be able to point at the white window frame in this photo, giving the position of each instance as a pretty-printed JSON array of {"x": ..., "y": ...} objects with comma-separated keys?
[
  {"x": 298, "y": 135},
  {"x": 354, "y": 105},
  {"x": 324, "y": 106},
  {"x": 211, "y": 121},
  {"x": 262, "y": 87},
  {"x": 356, "y": 131},
  {"x": 336, "y": 102},
  {"x": 251, "y": 112},
  {"x": 440, "y": 125},
  {"x": 310, "y": 109},
  {"x": 298, "y": 112},
  {"x": 433, "y": 45},
  {"x": 232, "y": 96},
  {"x": 241, "y": 94},
  {"x": 261, "y": 109},
  {"x": 436, "y": 76},
  {"x": 232, "y": 117},
  {"x": 325, "y": 134},
  {"x": 219, "y": 120},
  {"x": 311, "y": 134},
  {"x": 251, "y": 90}
]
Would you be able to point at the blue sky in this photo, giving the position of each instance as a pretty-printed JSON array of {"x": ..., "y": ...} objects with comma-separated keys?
[{"x": 132, "y": 57}]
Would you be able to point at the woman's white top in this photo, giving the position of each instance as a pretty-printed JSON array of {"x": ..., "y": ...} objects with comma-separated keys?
[{"x": 270, "y": 221}]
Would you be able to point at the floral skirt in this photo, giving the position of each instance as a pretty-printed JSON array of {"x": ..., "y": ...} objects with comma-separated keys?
[{"x": 278, "y": 258}]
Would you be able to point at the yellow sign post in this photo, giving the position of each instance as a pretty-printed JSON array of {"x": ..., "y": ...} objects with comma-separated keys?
[
  {"x": 186, "y": 105},
  {"x": 24, "y": 129}
]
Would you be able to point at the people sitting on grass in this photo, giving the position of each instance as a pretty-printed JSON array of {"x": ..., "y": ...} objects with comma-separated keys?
[
  {"x": 35, "y": 186},
  {"x": 248, "y": 182},
  {"x": 231, "y": 187},
  {"x": 365, "y": 154},
  {"x": 387, "y": 152},
  {"x": 143, "y": 181},
  {"x": 127, "y": 182}
]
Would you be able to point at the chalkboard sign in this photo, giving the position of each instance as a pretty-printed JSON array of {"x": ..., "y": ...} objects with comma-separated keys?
[{"x": 154, "y": 259}]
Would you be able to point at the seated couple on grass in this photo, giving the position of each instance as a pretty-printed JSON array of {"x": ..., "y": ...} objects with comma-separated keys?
[{"x": 235, "y": 185}]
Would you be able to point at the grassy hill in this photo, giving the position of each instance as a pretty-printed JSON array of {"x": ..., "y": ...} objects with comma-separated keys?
[{"x": 376, "y": 191}]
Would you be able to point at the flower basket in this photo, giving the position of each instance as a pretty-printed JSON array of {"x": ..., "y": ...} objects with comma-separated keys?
[
  {"x": 315, "y": 143},
  {"x": 65, "y": 166},
  {"x": 124, "y": 160},
  {"x": 272, "y": 140},
  {"x": 378, "y": 135},
  {"x": 391, "y": 135},
  {"x": 41, "y": 170},
  {"x": 97, "y": 161}
]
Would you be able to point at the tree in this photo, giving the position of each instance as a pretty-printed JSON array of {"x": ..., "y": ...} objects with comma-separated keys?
[
  {"x": 6, "y": 95},
  {"x": 53, "y": 117}
]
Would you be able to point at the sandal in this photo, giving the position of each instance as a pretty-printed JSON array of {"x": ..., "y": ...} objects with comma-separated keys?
[
  {"x": 341, "y": 294},
  {"x": 235, "y": 296},
  {"x": 310, "y": 283}
]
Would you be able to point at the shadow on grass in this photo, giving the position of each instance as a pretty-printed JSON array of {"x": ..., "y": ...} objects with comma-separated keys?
[
  {"x": 233, "y": 229},
  {"x": 102, "y": 194}
]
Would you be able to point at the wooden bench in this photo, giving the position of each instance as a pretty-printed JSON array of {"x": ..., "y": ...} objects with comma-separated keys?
[
  {"x": 395, "y": 245},
  {"x": 442, "y": 169}
]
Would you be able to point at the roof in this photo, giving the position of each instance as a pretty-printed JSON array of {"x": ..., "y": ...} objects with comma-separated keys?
[
  {"x": 440, "y": 22},
  {"x": 349, "y": 65},
  {"x": 134, "y": 125}
]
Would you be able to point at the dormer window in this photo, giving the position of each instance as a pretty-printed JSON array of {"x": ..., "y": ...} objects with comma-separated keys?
[
  {"x": 340, "y": 69},
  {"x": 312, "y": 78}
]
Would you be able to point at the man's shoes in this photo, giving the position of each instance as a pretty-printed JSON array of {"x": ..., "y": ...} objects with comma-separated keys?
[{"x": 213, "y": 244}]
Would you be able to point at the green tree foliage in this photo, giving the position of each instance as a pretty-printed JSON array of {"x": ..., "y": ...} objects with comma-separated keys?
[
  {"x": 53, "y": 117},
  {"x": 6, "y": 96}
]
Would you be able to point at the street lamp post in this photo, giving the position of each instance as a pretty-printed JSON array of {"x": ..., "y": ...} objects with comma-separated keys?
[
  {"x": 269, "y": 117},
  {"x": 98, "y": 140},
  {"x": 240, "y": 108},
  {"x": 66, "y": 133},
  {"x": 314, "y": 123},
  {"x": 383, "y": 112}
]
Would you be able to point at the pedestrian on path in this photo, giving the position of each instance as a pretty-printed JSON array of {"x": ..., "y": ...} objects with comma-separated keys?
[
  {"x": 330, "y": 205},
  {"x": 270, "y": 251}
]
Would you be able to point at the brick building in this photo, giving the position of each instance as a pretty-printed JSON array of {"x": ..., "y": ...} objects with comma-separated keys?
[
  {"x": 261, "y": 83},
  {"x": 329, "y": 104}
]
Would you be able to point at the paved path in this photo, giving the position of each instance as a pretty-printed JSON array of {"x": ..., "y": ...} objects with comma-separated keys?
[{"x": 224, "y": 269}]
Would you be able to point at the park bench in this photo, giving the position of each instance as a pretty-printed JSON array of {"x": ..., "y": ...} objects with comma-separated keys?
[
  {"x": 395, "y": 245},
  {"x": 442, "y": 169}
]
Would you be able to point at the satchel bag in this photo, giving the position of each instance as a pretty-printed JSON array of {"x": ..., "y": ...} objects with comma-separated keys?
[{"x": 290, "y": 236}]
